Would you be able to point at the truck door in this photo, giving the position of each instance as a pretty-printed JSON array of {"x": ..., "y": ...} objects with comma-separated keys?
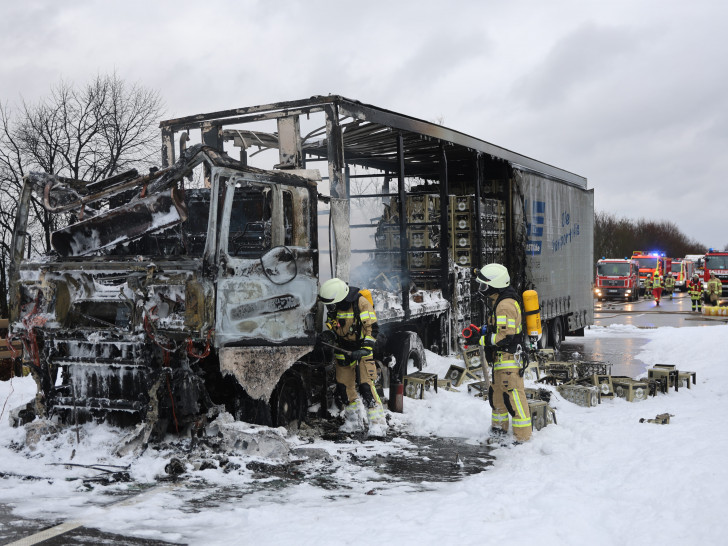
[{"x": 266, "y": 282}]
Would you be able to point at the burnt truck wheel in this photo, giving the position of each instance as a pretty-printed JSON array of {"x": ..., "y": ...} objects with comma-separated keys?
[
  {"x": 410, "y": 354},
  {"x": 289, "y": 402}
]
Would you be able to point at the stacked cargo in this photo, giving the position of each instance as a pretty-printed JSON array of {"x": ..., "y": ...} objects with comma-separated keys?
[
  {"x": 493, "y": 230},
  {"x": 423, "y": 232}
]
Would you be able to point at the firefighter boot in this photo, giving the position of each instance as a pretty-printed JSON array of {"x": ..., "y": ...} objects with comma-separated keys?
[
  {"x": 353, "y": 419},
  {"x": 377, "y": 422},
  {"x": 496, "y": 437},
  {"x": 375, "y": 411}
]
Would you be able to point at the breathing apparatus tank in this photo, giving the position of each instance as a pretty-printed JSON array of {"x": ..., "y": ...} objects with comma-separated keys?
[{"x": 533, "y": 314}]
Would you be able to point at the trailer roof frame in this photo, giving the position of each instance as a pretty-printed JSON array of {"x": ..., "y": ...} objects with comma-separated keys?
[{"x": 365, "y": 139}]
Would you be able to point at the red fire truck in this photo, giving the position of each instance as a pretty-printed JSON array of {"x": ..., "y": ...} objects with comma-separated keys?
[
  {"x": 617, "y": 279},
  {"x": 682, "y": 269},
  {"x": 717, "y": 262},
  {"x": 649, "y": 262}
]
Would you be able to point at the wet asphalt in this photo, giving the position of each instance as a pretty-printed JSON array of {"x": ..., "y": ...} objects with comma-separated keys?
[{"x": 620, "y": 350}]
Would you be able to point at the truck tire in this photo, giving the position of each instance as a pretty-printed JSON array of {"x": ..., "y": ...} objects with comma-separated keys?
[
  {"x": 409, "y": 353},
  {"x": 556, "y": 333},
  {"x": 289, "y": 402}
]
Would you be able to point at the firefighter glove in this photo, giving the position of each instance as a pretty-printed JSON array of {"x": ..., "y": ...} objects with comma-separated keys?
[
  {"x": 359, "y": 354},
  {"x": 328, "y": 337}
]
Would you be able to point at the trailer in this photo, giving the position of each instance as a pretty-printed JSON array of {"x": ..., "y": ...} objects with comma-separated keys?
[{"x": 195, "y": 286}]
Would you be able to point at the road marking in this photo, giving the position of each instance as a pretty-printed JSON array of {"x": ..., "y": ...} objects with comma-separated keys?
[
  {"x": 48, "y": 533},
  {"x": 68, "y": 526}
]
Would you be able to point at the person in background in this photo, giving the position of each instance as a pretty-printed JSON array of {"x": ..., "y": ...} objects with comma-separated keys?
[
  {"x": 669, "y": 282},
  {"x": 648, "y": 287},
  {"x": 695, "y": 289},
  {"x": 715, "y": 289},
  {"x": 502, "y": 338},
  {"x": 656, "y": 287}
]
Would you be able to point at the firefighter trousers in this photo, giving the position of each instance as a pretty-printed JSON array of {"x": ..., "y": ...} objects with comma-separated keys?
[
  {"x": 346, "y": 377},
  {"x": 508, "y": 399}
]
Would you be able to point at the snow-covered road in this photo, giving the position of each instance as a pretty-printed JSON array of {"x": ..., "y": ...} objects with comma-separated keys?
[{"x": 598, "y": 477}]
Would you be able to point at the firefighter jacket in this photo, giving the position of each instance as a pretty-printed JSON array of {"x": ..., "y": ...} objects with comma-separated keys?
[
  {"x": 695, "y": 288},
  {"x": 656, "y": 283},
  {"x": 715, "y": 287},
  {"x": 354, "y": 323},
  {"x": 504, "y": 332},
  {"x": 669, "y": 282}
]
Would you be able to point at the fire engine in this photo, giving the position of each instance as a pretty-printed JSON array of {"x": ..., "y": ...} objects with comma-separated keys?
[
  {"x": 649, "y": 261},
  {"x": 716, "y": 262},
  {"x": 682, "y": 269},
  {"x": 617, "y": 279}
]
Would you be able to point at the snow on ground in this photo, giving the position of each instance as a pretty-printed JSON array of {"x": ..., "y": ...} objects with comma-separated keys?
[{"x": 598, "y": 477}]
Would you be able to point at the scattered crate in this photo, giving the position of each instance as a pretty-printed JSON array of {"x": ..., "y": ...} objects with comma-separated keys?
[
  {"x": 668, "y": 371},
  {"x": 445, "y": 384},
  {"x": 582, "y": 395},
  {"x": 532, "y": 372},
  {"x": 605, "y": 385},
  {"x": 541, "y": 414},
  {"x": 630, "y": 389},
  {"x": 685, "y": 379},
  {"x": 473, "y": 360},
  {"x": 479, "y": 389},
  {"x": 417, "y": 383}
]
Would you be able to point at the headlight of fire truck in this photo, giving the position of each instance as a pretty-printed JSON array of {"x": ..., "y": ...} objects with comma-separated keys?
[{"x": 597, "y": 291}]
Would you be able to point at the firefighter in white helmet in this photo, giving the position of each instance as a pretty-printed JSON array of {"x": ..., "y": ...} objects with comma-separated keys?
[
  {"x": 501, "y": 337},
  {"x": 352, "y": 326}
]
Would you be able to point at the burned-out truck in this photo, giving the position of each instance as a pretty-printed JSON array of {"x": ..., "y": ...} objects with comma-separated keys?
[{"x": 195, "y": 285}]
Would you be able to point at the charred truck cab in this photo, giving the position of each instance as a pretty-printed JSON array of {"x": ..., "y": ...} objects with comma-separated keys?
[
  {"x": 139, "y": 297},
  {"x": 195, "y": 286}
]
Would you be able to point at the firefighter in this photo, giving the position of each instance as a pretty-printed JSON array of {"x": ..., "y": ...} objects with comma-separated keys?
[
  {"x": 669, "y": 284},
  {"x": 648, "y": 287},
  {"x": 502, "y": 337},
  {"x": 695, "y": 289},
  {"x": 715, "y": 289},
  {"x": 656, "y": 287},
  {"x": 352, "y": 326}
]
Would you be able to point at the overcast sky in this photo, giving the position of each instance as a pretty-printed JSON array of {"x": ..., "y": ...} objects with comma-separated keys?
[{"x": 631, "y": 94}]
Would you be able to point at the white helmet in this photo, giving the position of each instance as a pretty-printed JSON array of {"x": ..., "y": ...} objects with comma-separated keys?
[
  {"x": 333, "y": 291},
  {"x": 494, "y": 275}
]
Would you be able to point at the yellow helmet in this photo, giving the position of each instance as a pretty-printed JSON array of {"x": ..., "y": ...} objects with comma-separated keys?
[{"x": 333, "y": 291}]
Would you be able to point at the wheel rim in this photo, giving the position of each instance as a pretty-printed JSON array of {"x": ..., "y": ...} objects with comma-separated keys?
[{"x": 289, "y": 405}]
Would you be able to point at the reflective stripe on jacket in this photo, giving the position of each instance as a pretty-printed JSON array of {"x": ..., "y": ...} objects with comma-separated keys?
[{"x": 505, "y": 322}]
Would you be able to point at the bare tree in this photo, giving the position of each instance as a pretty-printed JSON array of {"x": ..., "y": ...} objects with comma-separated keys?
[
  {"x": 619, "y": 237},
  {"x": 87, "y": 133}
]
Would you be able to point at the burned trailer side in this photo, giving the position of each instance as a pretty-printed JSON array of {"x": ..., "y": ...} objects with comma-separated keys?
[
  {"x": 446, "y": 204},
  {"x": 160, "y": 298}
]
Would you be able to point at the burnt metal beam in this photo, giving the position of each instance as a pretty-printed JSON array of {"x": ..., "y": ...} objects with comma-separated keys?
[
  {"x": 403, "y": 246},
  {"x": 444, "y": 226}
]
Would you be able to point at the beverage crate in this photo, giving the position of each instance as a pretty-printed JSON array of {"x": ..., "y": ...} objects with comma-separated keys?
[{"x": 630, "y": 389}]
